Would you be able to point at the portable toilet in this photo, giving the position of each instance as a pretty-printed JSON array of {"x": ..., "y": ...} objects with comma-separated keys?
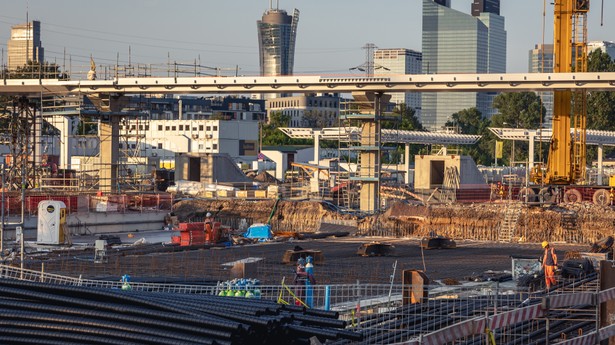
[{"x": 51, "y": 222}]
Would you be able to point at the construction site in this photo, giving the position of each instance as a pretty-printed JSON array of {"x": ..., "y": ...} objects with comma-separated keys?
[{"x": 104, "y": 242}]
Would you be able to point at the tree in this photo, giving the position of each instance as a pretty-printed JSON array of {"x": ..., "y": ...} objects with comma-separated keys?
[
  {"x": 271, "y": 136},
  {"x": 35, "y": 70},
  {"x": 471, "y": 121},
  {"x": 518, "y": 110},
  {"x": 405, "y": 119},
  {"x": 600, "y": 104}
]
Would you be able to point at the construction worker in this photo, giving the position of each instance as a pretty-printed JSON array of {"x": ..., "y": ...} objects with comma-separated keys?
[
  {"x": 301, "y": 276},
  {"x": 209, "y": 218},
  {"x": 549, "y": 264}
]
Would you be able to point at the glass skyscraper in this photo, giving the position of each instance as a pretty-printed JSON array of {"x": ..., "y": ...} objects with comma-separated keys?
[
  {"x": 277, "y": 32},
  {"x": 541, "y": 61},
  {"x": 25, "y": 45},
  {"x": 456, "y": 42}
]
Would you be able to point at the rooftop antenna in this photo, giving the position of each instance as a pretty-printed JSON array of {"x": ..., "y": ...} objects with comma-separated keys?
[{"x": 277, "y": 6}]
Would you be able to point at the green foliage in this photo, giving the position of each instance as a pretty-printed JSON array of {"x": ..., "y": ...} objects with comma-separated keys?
[
  {"x": 471, "y": 121},
  {"x": 600, "y": 104},
  {"x": 405, "y": 119},
  {"x": 35, "y": 70},
  {"x": 271, "y": 136},
  {"x": 518, "y": 110}
]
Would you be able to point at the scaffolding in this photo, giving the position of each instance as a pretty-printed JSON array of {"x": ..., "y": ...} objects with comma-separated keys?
[
  {"x": 361, "y": 120},
  {"x": 55, "y": 145}
]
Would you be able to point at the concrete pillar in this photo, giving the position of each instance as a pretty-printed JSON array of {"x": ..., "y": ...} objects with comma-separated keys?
[
  {"x": 316, "y": 147},
  {"x": 532, "y": 136},
  {"x": 109, "y": 134},
  {"x": 600, "y": 167},
  {"x": 64, "y": 125},
  {"x": 407, "y": 164}
]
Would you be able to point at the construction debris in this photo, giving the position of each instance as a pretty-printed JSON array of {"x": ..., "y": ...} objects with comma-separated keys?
[
  {"x": 437, "y": 242},
  {"x": 292, "y": 255},
  {"x": 375, "y": 249}
]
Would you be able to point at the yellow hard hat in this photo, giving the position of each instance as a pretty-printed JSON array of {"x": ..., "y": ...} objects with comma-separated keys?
[{"x": 545, "y": 244}]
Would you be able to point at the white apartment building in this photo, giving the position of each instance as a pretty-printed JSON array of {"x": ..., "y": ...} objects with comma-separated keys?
[
  {"x": 313, "y": 111},
  {"x": 165, "y": 138}
]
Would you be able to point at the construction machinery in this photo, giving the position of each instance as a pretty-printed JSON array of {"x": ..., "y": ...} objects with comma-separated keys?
[{"x": 567, "y": 150}]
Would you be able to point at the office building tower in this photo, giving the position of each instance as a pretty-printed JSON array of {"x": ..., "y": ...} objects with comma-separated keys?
[
  {"x": 541, "y": 61},
  {"x": 25, "y": 45},
  {"x": 485, "y": 6},
  {"x": 456, "y": 42},
  {"x": 400, "y": 61},
  {"x": 277, "y": 32}
]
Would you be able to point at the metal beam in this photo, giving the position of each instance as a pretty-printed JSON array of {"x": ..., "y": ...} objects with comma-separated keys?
[
  {"x": 595, "y": 81},
  {"x": 388, "y": 136},
  {"x": 594, "y": 137}
]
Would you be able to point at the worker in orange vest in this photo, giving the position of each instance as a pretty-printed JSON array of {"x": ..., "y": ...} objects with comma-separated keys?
[
  {"x": 549, "y": 264},
  {"x": 209, "y": 225}
]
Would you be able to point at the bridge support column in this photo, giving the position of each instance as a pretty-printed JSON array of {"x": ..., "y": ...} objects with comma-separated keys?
[
  {"x": 109, "y": 133},
  {"x": 600, "y": 167},
  {"x": 370, "y": 107},
  {"x": 316, "y": 147},
  {"x": 407, "y": 164},
  {"x": 531, "y": 150}
]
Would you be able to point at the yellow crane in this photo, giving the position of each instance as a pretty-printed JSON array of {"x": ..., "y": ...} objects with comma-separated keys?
[{"x": 567, "y": 151}]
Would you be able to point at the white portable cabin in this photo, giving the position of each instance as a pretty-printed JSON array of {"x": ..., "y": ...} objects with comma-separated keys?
[{"x": 51, "y": 222}]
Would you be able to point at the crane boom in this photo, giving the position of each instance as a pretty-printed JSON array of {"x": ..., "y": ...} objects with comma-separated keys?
[{"x": 567, "y": 152}]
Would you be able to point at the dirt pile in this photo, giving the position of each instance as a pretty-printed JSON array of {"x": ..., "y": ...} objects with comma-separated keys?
[
  {"x": 298, "y": 216},
  {"x": 572, "y": 223}
]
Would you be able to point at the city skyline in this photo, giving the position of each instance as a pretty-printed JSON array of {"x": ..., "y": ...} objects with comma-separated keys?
[{"x": 329, "y": 39}]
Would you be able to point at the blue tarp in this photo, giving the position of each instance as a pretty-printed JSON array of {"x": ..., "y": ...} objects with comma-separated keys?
[{"x": 261, "y": 231}]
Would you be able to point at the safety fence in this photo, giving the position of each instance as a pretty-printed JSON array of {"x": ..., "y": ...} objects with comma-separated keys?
[
  {"x": 89, "y": 203},
  {"x": 384, "y": 313}
]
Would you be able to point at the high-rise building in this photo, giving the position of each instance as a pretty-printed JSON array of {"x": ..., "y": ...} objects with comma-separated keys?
[
  {"x": 25, "y": 45},
  {"x": 456, "y": 42},
  {"x": 277, "y": 32},
  {"x": 401, "y": 61},
  {"x": 541, "y": 61},
  {"x": 489, "y": 6}
]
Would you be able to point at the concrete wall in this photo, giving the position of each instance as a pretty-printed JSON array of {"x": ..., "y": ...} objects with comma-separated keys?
[
  {"x": 427, "y": 174},
  {"x": 92, "y": 223}
]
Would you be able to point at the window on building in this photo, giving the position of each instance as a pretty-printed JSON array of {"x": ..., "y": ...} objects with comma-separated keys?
[
  {"x": 208, "y": 128},
  {"x": 194, "y": 129},
  {"x": 147, "y": 127},
  {"x": 215, "y": 146},
  {"x": 200, "y": 127},
  {"x": 181, "y": 127},
  {"x": 159, "y": 127},
  {"x": 200, "y": 146},
  {"x": 166, "y": 128},
  {"x": 160, "y": 146},
  {"x": 140, "y": 127},
  {"x": 173, "y": 128},
  {"x": 215, "y": 128}
]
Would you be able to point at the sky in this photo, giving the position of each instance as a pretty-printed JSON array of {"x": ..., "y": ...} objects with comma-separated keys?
[{"x": 222, "y": 34}]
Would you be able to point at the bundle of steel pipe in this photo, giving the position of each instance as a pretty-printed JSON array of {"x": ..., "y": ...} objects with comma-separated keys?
[{"x": 40, "y": 313}]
